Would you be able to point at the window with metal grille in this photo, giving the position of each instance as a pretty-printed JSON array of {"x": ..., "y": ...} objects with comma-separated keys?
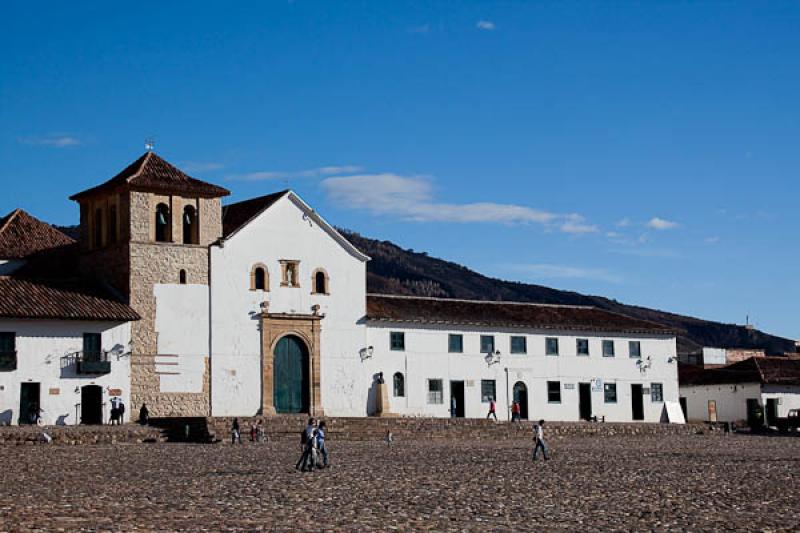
[{"x": 656, "y": 392}]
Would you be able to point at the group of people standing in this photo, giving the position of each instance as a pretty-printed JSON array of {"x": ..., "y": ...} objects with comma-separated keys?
[
  {"x": 117, "y": 411},
  {"x": 312, "y": 443}
]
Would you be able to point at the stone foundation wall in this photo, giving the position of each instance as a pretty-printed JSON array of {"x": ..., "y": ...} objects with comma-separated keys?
[{"x": 80, "y": 435}]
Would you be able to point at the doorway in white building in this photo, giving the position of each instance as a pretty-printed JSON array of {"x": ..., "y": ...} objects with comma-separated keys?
[
  {"x": 91, "y": 404},
  {"x": 585, "y": 401},
  {"x": 521, "y": 397},
  {"x": 29, "y": 402},
  {"x": 637, "y": 401},
  {"x": 457, "y": 399}
]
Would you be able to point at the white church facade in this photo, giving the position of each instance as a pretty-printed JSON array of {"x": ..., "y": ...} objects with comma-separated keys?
[{"x": 260, "y": 308}]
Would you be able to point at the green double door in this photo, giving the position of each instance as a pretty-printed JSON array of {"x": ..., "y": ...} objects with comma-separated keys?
[{"x": 290, "y": 376}]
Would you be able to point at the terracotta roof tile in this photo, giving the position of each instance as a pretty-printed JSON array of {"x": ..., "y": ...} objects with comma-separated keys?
[
  {"x": 234, "y": 216},
  {"x": 764, "y": 370},
  {"x": 503, "y": 314},
  {"x": 22, "y": 235},
  {"x": 153, "y": 174},
  {"x": 22, "y": 298}
]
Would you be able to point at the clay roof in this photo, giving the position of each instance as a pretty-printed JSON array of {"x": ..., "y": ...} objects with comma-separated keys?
[
  {"x": 236, "y": 215},
  {"x": 150, "y": 173},
  {"x": 22, "y": 298},
  {"x": 504, "y": 314},
  {"x": 22, "y": 235},
  {"x": 764, "y": 370}
]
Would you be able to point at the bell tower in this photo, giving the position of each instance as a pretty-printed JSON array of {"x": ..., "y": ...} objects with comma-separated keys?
[{"x": 150, "y": 225}]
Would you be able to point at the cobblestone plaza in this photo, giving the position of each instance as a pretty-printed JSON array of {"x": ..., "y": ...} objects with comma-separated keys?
[{"x": 698, "y": 482}]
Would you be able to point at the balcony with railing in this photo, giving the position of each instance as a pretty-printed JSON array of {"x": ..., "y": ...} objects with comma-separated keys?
[
  {"x": 93, "y": 362},
  {"x": 8, "y": 361}
]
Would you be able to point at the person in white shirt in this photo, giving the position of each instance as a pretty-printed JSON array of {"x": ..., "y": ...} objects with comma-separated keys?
[{"x": 538, "y": 438}]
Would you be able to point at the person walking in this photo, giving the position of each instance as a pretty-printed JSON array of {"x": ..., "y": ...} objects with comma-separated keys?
[
  {"x": 259, "y": 431},
  {"x": 321, "y": 448},
  {"x": 453, "y": 407},
  {"x": 121, "y": 412},
  {"x": 144, "y": 415},
  {"x": 492, "y": 409},
  {"x": 307, "y": 444},
  {"x": 235, "y": 434},
  {"x": 538, "y": 438},
  {"x": 515, "y": 411}
]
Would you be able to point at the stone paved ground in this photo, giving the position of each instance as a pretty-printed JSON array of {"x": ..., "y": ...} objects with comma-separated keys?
[{"x": 643, "y": 482}]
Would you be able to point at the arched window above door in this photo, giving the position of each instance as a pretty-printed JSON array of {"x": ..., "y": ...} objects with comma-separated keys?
[
  {"x": 259, "y": 278},
  {"x": 320, "y": 282}
]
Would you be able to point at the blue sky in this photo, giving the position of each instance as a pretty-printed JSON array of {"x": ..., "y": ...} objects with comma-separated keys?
[{"x": 645, "y": 151}]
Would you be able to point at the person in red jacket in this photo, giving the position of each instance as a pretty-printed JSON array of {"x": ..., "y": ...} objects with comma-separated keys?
[{"x": 492, "y": 409}]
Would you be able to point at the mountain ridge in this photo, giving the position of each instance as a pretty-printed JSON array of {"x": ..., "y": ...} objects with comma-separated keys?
[{"x": 394, "y": 270}]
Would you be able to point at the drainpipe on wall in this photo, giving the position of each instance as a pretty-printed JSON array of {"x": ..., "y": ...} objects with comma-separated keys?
[{"x": 508, "y": 404}]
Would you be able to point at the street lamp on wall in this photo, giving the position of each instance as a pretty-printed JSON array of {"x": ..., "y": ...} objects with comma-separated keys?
[
  {"x": 492, "y": 358},
  {"x": 366, "y": 353}
]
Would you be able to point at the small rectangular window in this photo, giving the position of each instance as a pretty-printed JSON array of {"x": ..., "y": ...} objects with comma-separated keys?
[
  {"x": 554, "y": 392},
  {"x": 435, "y": 391},
  {"x": 519, "y": 344},
  {"x": 582, "y": 346},
  {"x": 487, "y": 343},
  {"x": 455, "y": 343},
  {"x": 488, "y": 390},
  {"x": 656, "y": 392},
  {"x": 634, "y": 349},
  {"x": 8, "y": 350},
  {"x": 551, "y": 346},
  {"x": 610, "y": 392},
  {"x": 397, "y": 341},
  {"x": 608, "y": 348}
]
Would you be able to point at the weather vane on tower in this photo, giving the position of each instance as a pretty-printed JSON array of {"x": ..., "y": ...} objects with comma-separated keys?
[{"x": 149, "y": 144}]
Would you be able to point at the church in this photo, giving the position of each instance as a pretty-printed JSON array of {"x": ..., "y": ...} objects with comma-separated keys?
[{"x": 171, "y": 298}]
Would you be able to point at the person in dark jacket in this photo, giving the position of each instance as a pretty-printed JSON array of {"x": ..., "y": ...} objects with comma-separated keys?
[{"x": 144, "y": 415}]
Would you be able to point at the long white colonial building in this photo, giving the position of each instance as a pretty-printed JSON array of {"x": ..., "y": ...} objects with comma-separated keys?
[{"x": 260, "y": 307}]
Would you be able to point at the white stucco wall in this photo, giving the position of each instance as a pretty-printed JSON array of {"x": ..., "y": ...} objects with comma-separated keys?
[
  {"x": 43, "y": 350},
  {"x": 426, "y": 356},
  {"x": 285, "y": 232},
  {"x": 731, "y": 400},
  {"x": 182, "y": 318}
]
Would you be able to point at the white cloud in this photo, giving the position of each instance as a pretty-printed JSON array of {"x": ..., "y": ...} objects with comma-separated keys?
[
  {"x": 661, "y": 224},
  {"x": 485, "y": 25},
  {"x": 411, "y": 198},
  {"x": 711, "y": 240},
  {"x": 280, "y": 175},
  {"x": 56, "y": 141},
  {"x": 623, "y": 223},
  {"x": 551, "y": 271},
  {"x": 200, "y": 166}
]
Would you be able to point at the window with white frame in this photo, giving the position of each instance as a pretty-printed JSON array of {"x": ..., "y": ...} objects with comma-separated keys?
[
  {"x": 435, "y": 391},
  {"x": 488, "y": 390}
]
